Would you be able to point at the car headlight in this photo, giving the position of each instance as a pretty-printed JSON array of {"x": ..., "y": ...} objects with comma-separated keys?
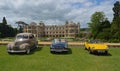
[
  {"x": 107, "y": 48},
  {"x": 65, "y": 46},
  {"x": 10, "y": 46},
  {"x": 51, "y": 46},
  {"x": 22, "y": 47}
]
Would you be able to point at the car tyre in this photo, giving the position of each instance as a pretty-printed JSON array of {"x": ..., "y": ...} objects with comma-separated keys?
[
  {"x": 28, "y": 51},
  {"x": 52, "y": 52},
  {"x": 9, "y": 53},
  {"x": 90, "y": 51},
  {"x": 36, "y": 46},
  {"x": 65, "y": 52},
  {"x": 106, "y": 52},
  {"x": 85, "y": 48}
]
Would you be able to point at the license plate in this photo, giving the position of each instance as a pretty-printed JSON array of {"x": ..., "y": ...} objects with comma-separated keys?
[{"x": 100, "y": 51}]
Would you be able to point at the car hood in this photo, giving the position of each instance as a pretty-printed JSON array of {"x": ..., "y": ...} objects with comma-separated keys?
[
  {"x": 59, "y": 45},
  {"x": 98, "y": 46},
  {"x": 18, "y": 42}
]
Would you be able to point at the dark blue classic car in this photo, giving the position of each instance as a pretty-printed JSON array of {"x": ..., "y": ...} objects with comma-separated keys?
[{"x": 59, "y": 45}]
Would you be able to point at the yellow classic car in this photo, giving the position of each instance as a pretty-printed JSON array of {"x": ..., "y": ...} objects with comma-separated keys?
[{"x": 95, "y": 47}]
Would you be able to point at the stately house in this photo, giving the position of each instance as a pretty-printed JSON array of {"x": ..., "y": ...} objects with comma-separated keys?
[{"x": 68, "y": 30}]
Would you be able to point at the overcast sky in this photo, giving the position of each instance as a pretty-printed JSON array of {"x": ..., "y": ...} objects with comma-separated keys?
[{"x": 54, "y": 12}]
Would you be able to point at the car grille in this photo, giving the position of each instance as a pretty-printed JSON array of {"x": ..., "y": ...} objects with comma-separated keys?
[
  {"x": 18, "y": 43},
  {"x": 16, "y": 48}
]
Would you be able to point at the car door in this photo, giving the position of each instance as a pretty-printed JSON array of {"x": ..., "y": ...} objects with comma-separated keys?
[{"x": 32, "y": 40}]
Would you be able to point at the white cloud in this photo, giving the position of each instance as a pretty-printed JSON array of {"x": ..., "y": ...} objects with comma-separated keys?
[{"x": 54, "y": 11}]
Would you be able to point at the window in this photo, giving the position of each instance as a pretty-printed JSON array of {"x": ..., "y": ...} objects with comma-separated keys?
[
  {"x": 22, "y": 37},
  {"x": 25, "y": 36},
  {"x": 31, "y": 36}
]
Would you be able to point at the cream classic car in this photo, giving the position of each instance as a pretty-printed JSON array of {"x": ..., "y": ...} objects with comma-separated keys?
[{"x": 24, "y": 42}]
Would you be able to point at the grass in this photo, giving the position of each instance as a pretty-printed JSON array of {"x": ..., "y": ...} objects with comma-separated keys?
[{"x": 77, "y": 59}]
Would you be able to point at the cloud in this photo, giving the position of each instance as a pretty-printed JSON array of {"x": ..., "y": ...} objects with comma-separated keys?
[{"x": 52, "y": 11}]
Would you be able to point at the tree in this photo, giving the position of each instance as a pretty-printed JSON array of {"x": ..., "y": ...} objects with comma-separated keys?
[
  {"x": 3, "y": 27},
  {"x": 6, "y": 30},
  {"x": 95, "y": 25},
  {"x": 105, "y": 24},
  {"x": 21, "y": 25},
  {"x": 115, "y": 26},
  {"x": 4, "y": 21},
  {"x": 105, "y": 34}
]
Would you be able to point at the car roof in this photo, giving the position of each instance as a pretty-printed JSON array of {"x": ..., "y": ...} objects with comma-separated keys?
[
  {"x": 61, "y": 40},
  {"x": 24, "y": 34}
]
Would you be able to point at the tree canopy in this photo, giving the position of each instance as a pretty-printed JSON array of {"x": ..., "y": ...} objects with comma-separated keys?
[
  {"x": 21, "y": 25},
  {"x": 98, "y": 22},
  {"x": 115, "y": 26},
  {"x": 101, "y": 28},
  {"x": 6, "y": 30}
]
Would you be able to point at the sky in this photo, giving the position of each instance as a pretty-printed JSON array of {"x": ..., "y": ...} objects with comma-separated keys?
[{"x": 54, "y": 12}]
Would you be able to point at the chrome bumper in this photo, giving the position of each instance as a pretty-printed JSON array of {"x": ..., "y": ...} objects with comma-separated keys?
[
  {"x": 16, "y": 51},
  {"x": 59, "y": 50}
]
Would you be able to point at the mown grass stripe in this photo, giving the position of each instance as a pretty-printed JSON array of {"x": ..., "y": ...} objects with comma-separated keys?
[{"x": 42, "y": 60}]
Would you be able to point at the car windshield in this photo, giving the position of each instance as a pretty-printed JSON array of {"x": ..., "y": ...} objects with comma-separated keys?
[
  {"x": 22, "y": 36},
  {"x": 59, "y": 40},
  {"x": 56, "y": 40},
  {"x": 94, "y": 41}
]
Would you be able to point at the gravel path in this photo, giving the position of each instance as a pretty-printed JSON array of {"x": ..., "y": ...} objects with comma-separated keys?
[{"x": 69, "y": 43}]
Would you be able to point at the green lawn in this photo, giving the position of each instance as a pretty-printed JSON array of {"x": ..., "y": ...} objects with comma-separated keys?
[{"x": 77, "y": 59}]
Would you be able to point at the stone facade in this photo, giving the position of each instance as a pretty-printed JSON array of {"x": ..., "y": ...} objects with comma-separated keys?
[{"x": 68, "y": 30}]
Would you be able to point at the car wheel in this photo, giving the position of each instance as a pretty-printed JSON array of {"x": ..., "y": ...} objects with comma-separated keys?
[
  {"x": 90, "y": 51},
  {"x": 36, "y": 46},
  {"x": 85, "y": 48},
  {"x": 106, "y": 52},
  {"x": 65, "y": 52},
  {"x": 52, "y": 51},
  {"x": 28, "y": 51},
  {"x": 9, "y": 53}
]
